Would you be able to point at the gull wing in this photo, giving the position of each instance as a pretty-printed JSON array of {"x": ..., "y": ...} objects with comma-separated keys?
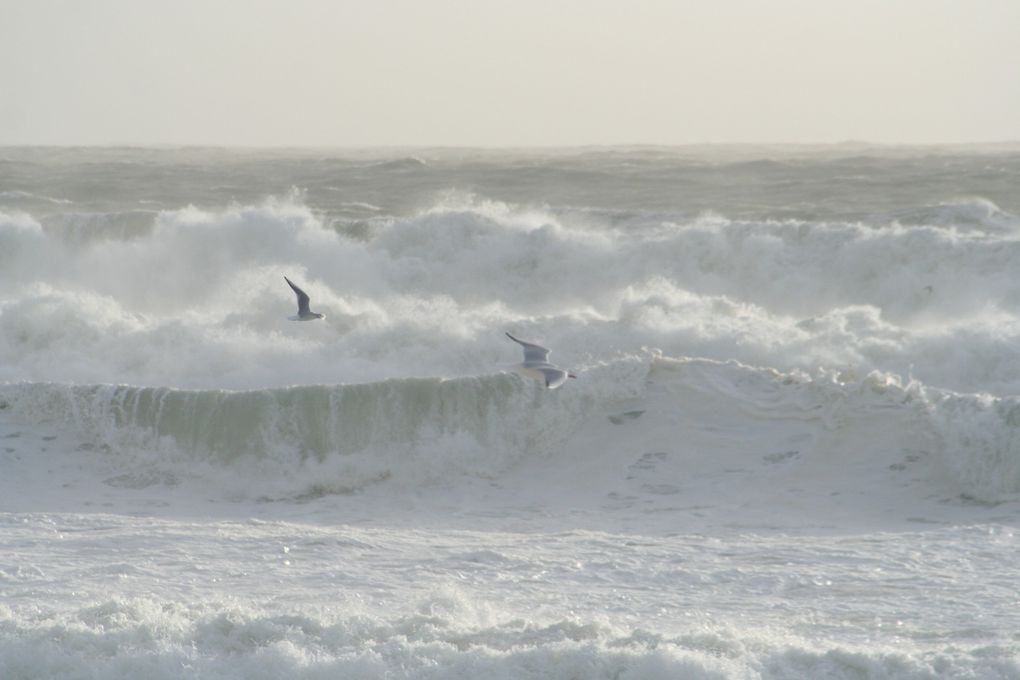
[
  {"x": 532, "y": 353},
  {"x": 302, "y": 297}
]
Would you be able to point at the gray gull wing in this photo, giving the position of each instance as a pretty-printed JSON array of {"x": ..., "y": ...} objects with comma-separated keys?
[
  {"x": 532, "y": 353},
  {"x": 302, "y": 298}
]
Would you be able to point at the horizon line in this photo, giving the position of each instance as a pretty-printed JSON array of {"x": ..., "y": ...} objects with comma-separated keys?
[{"x": 509, "y": 147}]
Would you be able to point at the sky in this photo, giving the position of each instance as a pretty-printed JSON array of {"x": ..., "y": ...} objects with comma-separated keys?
[{"x": 508, "y": 73}]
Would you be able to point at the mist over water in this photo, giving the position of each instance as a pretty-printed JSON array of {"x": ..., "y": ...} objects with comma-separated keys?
[
  {"x": 821, "y": 342},
  {"x": 119, "y": 263}
]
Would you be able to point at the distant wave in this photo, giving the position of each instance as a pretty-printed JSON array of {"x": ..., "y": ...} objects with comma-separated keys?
[
  {"x": 407, "y": 163},
  {"x": 86, "y": 227},
  {"x": 965, "y": 214},
  {"x": 30, "y": 197}
]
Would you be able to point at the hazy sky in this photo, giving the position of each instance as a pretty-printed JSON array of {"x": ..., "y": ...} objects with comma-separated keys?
[{"x": 507, "y": 73}]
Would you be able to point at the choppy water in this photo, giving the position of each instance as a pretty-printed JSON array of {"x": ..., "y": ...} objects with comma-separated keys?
[{"x": 793, "y": 449}]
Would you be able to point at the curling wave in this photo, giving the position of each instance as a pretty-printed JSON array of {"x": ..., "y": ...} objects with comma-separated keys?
[{"x": 828, "y": 426}]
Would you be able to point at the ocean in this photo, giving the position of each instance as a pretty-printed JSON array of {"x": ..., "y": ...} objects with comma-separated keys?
[{"x": 792, "y": 450}]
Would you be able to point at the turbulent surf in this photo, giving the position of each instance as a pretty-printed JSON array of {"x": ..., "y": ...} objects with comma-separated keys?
[{"x": 792, "y": 449}]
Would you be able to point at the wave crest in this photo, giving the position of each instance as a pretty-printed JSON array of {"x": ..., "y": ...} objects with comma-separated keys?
[{"x": 326, "y": 438}]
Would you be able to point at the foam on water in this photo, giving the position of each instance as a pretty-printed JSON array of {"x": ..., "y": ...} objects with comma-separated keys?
[
  {"x": 792, "y": 451},
  {"x": 430, "y": 293},
  {"x": 501, "y": 617},
  {"x": 152, "y": 640}
]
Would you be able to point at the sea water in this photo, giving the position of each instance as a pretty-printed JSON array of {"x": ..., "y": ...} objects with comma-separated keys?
[{"x": 792, "y": 449}]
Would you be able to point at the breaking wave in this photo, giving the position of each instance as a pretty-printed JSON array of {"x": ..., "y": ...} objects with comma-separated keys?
[
  {"x": 342, "y": 438},
  {"x": 169, "y": 640}
]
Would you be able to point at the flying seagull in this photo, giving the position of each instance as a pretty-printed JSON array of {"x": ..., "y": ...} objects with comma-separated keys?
[
  {"x": 536, "y": 365},
  {"x": 303, "y": 312}
]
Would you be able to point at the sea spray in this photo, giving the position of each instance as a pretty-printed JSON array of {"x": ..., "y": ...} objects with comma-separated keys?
[{"x": 790, "y": 451}]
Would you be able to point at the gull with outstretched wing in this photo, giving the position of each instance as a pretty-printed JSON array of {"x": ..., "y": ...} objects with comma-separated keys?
[
  {"x": 304, "y": 313},
  {"x": 537, "y": 366}
]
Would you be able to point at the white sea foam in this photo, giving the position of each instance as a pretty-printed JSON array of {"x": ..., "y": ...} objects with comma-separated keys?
[
  {"x": 908, "y": 300},
  {"x": 159, "y": 641},
  {"x": 792, "y": 451},
  {"x": 501, "y": 618}
]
